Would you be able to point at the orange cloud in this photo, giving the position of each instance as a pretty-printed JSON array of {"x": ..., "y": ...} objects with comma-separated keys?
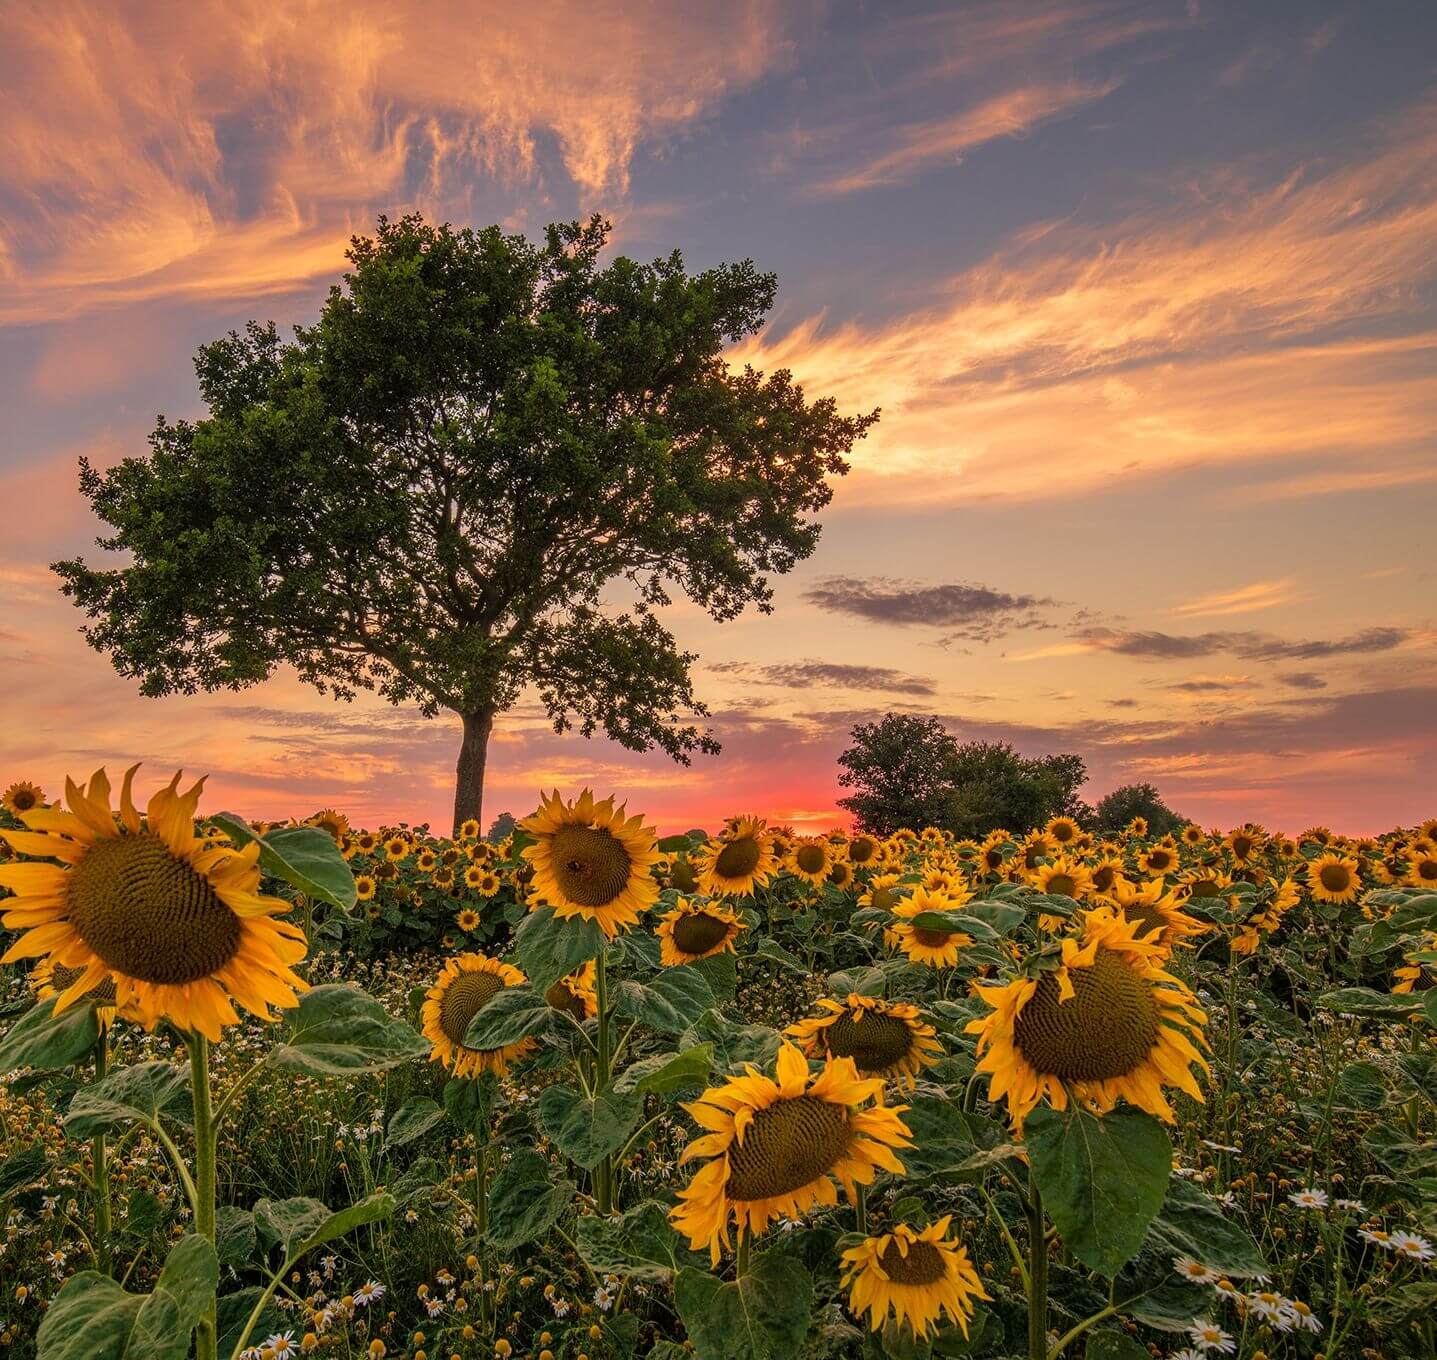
[{"x": 1242, "y": 600}]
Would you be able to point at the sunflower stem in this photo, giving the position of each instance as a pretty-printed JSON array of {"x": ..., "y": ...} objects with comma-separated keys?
[
  {"x": 860, "y": 1208},
  {"x": 206, "y": 1333},
  {"x": 604, "y": 1184},
  {"x": 101, "y": 1179},
  {"x": 481, "y": 1212},
  {"x": 743, "y": 1241},
  {"x": 1037, "y": 1275}
]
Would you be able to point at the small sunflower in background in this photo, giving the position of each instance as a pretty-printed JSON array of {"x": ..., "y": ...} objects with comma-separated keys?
[
  {"x": 426, "y": 861},
  {"x": 468, "y": 919},
  {"x": 591, "y": 860},
  {"x": 468, "y": 829},
  {"x": 810, "y": 859},
  {"x": 1107, "y": 1024},
  {"x": 366, "y": 842},
  {"x": 472, "y": 874},
  {"x": 923, "y": 944},
  {"x": 336, "y": 823},
  {"x": 488, "y": 883},
  {"x": 881, "y": 893},
  {"x": 1062, "y": 831},
  {"x": 1245, "y": 843},
  {"x": 1063, "y": 876},
  {"x": 841, "y": 875},
  {"x": 364, "y": 886},
  {"x": 465, "y": 985},
  {"x": 1192, "y": 835},
  {"x": 739, "y": 862},
  {"x": 888, "y": 1039},
  {"x": 776, "y": 1145},
  {"x": 1161, "y": 858},
  {"x": 22, "y": 796},
  {"x": 442, "y": 877},
  {"x": 863, "y": 850},
  {"x": 1106, "y": 870},
  {"x": 1315, "y": 835},
  {"x": 175, "y": 920},
  {"x": 48, "y": 980},
  {"x": 696, "y": 930},
  {"x": 575, "y": 993},
  {"x": 1334, "y": 878},
  {"x": 1421, "y": 870},
  {"x": 915, "y": 1276},
  {"x": 397, "y": 848},
  {"x": 1157, "y": 912},
  {"x": 1206, "y": 884}
]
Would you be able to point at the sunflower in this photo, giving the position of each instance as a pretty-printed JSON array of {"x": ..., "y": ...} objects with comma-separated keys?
[
  {"x": 1063, "y": 877},
  {"x": 992, "y": 856},
  {"x": 590, "y": 860},
  {"x": 21, "y": 797},
  {"x": 1157, "y": 912},
  {"x": 1106, "y": 871},
  {"x": 364, "y": 886},
  {"x": 1334, "y": 878},
  {"x": 1315, "y": 835},
  {"x": 48, "y": 980},
  {"x": 888, "y": 1039},
  {"x": 1159, "y": 859},
  {"x": 468, "y": 829},
  {"x": 442, "y": 877},
  {"x": 841, "y": 875},
  {"x": 488, "y": 884},
  {"x": 863, "y": 850},
  {"x": 1062, "y": 830},
  {"x": 1245, "y": 842},
  {"x": 1418, "y": 972},
  {"x": 1138, "y": 827},
  {"x": 935, "y": 948},
  {"x": 696, "y": 930},
  {"x": 1107, "y": 1024},
  {"x": 468, "y": 919},
  {"x": 917, "y": 1276},
  {"x": 575, "y": 994},
  {"x": 738, "y": 863},
  {"x": 1421, "y": 871},
  {"x": 366, "y": 842},
  {"x": 1192, "y": 834},
  {"x": 880, "y": 894},
  {"x": 465, "y": 985},
  {"x": 811, "y": 858},
  {"x": 1034, "y": 848},
  {"x": 336, "y": 823},
  {"x": 177, "y": 922},
  {"x": 1206, "y": 885},
  {"x": 776, "y": 1146},
  {"x": 397, "y": 847}
]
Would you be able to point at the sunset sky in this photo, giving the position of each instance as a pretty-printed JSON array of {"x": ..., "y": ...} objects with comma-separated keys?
[{"x": 1147, "y": 293}]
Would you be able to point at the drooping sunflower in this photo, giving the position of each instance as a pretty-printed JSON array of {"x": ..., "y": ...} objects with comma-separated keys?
[
  {"x": 1157, "y": 912},
  {"x": 49, "y": 979},
  {"x": 575, "y": 993},
  {"x": 841, "y": 875},
  {"x": 738, "y": 863},
  {"x": 1033, "y": 849},
  {"x": 1418, "y": 971},
  {"x": 592, "y": 860},
  {"x": 810, "y": 859},
  {"x": 696, "y": 930},
  {"x": 888, "y": 1039},
  {"x": 916, "y": 1276},
  {"x": 1107, "y": 1024},
  {"x": 1062, "y": 831},
  {"x": 1206, "y": 884},
  {"x": 777, "y": 1145},
  {"x": 22, "y": 796},
  {"x": 1334, "y": 878},
  {"x": 336, "y": 823},
  {"x": 465, "y": 985},
  {"x": 934, "y": 948},
  {"x": 175, "y": 920}
]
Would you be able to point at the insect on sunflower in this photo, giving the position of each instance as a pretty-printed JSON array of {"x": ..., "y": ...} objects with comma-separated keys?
[
  {"x": 466, "y": 985},
  {"x": 888, "y": 1039},
  {"x": 696, "y": 930},
  {"x": 175, "y": 920},
  {"x": 915, "y": 1276},
  {"x": 776, "y": 1145}
]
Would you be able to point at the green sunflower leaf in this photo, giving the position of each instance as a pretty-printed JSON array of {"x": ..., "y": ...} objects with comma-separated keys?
[
  {"x": 525, "y": 1201},
  {"x": 413, "y": 1120},
  {"x": 1366, "y": 1001},
  {"x": 339, "y": 1031},
  {"x": 46, "y": 1041},
  {"x": 763, "y": 1315},
  {"x": 586, "y": 1131},
  {"x": 664, "y": 1073},
  {"x": 671, "y": 1001},
  {"x": 515, "y": 1013},
  {"x": 305, "y": 857},
  {"x": 548, "y": 947},
  {"x": 138, "y": 1094},
  {"x": 640, "y": 1244}
]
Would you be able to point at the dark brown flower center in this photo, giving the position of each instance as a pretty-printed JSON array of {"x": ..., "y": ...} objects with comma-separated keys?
[
  {"x": 562, "y": 999},
  {"x": 149, "y": 914},
  {"x": 699, "y": 933},
  {"x": 1427, "y": 870},
  {"x": 463, "y": 999},
  {"x": 873, "y": 1040},
  {"x": 922, "y": 1265},
  {"x": 1335, "y": 877},
  {"x": 1105, "y": 1029},
  {"x": 1159, "y": 860},
  {"x": 738, "y": 858},
  {"x": 1063, "y": 885},
  {"x": 787, "y": 1145},
  {"x": 1147, "y": 915},
  {"x": 1205, "y": 887},
  {"x": 591, "y": 865},
  {"x": 1241, "y": 846},
  {"x": 1103, "y": 877},
  {"x": 861, "y": 849},
  {"x": 810, "y": 858},
  {"x": 1063, "y": 832},
  {"x": 993, "y": 859},
  {"x": 932, "y": 939},
  {"x": 681, "y": 875}
]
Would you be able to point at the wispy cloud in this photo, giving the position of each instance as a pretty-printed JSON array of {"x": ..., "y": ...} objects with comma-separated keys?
[
  {"x": 1240, "y": 600},
  {"x": 1151, "y": 645},
  {"x": 833, "y": 674},
  {"x": 975, "y": 612}
]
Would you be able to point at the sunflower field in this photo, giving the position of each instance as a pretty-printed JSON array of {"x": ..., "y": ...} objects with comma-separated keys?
[{"x": 270, "y": 1091}]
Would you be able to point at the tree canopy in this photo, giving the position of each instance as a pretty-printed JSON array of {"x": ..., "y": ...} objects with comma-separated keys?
[
  {"x": 484, "y": 468},
  {"x": 1116, "y": 809}
]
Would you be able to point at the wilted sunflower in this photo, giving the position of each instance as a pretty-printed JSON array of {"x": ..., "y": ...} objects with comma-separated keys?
[
  {"x": 811, "y": 858},
  {"x": 696, "y": 930},
  {"x": 176, "y": 921},
  {"x": 1108, "y": 1024},
  {"x": 1157, "y": 912},
  {"x": 22, "y": 796},
  {"x": 918, "y": 1276},
  {"x": 591, "y": 860},
  {"x": 465, "y": 985},
  {"x": 935, "y": 948},
  {"x": 575, "y": 993},
  {"x": 1334, "y": 878},
  {"x": 888, "y": 1039},
  {"x": 776, "y": 1147},
  {"x": 1062, "y": 831},
  {"x": 738, "y": 863},
  {"x": 48, "y": 980}
]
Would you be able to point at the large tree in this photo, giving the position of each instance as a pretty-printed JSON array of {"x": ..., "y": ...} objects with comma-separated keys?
[{"x": 483, "y": 469}]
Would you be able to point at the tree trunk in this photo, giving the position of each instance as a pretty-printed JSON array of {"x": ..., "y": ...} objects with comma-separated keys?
[{"x": 469, "y": 771}]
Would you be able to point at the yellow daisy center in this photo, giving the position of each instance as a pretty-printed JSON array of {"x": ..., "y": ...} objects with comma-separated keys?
[
  {"x": 875, "y": 1043},
  {"x": 923, "y": 1264},
  {"x": 591, "y": 866},
  {"x": 738, "y": 858},
  {"x": 809, "y": 858},
  {"x": 1105, "y": 1029},
  {"x": 149, "y": 914},
  {"x": 699, "y": 933},
  {"x": 463, "y": 999},
  {"x": 788, "y": 1144}
]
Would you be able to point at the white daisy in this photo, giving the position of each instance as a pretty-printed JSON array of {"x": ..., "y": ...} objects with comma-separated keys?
[
  {"x": 1304, "y": 1317},
  {"x": 1194, "y": 1271},
  {"x": 1309, "y": 1199},
  {"x": 1411, "y": 1246},
  {"x": 281, "y": 1346},
  {"x": 1210, "y": 1338}
]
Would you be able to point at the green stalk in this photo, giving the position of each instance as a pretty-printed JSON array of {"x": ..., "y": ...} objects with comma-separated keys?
[
  {"x": 481, "y": 1214},
  {"x": 104, "y": 1262},
  {"x": 860, "y": 1208},
  {"x": 1037, "y": 1275},
  {"x": 743, "y": 1241},
  {"x": 206, "y": 1333},
  {"x": 604, "y": 1185}
]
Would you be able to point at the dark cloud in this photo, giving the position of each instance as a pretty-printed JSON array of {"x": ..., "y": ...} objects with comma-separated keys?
[
  {"x": 974, "y": 612},
  {"x": 797, "y": 674},
  {"x": 1302, "y": 680},
  {"x": 1369, "y": 640},
  {"x": 1122, "y": 703},
  {"x": 1155, "y": 646},
  {"x": 1210, "y": 686}
]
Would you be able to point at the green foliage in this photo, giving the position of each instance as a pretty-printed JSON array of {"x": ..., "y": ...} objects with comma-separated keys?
[
  {"x": 305, "y": 857},
  {"x": 588, "y": 1129},
  {"x": 1115, "y": 810},
  {"x": 341, "y": 1031},
  {"x": 548, "y": 946},
  {"x": 44, "y": 1040},
  {"x": 525, "y": 1201},
  {"x": 762, "y": 1315}
]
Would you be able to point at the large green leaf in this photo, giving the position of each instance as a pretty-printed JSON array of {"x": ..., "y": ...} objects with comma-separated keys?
[
  {"x": 1365, "y": 1001},
  {"x": 732, "y": 1044},
  {"x": 671, "y": 1001},
  {"x": 524, "y": 1201},
  {"x": 1113, "y": 1346},
  {"x": 469, "y": 1101},
  {"x": 641, "y": 1243},
  {"x": 515, "y": 1013},
  {"x": 586, "y": 1131},
  {"x": 1102, "y": 1180},
  {"x": 234, "y": 1313},
  {"x": 300, "y": 1225},
  {"x": 235, "y": 1237},
  {"x": 765, "y": 947},
  {"x": 413, "y": 1120},
  {"x": 548, "y": 947},
  {"x": 664, "y": 1073},
  {"x": 22, "y": 1167},
  {"x": 339, "y": 1031},
  {"x": 93, "y": 1318},
  {"x": 46, "y": 1041},
  {"x": 720, "y": 971},
  {"x": 1191, "y": 1224},
  {"x": 305, "y": 857},
  {"x": 762, "y": 1316},
  {"x": 138, "y": 1094}
]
